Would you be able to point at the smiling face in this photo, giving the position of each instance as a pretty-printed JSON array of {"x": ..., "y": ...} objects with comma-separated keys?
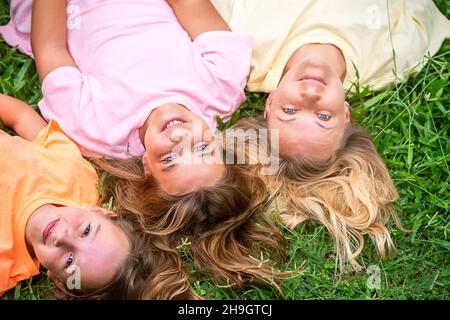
[
  {"x": 309, "y": 109},
  {"x": 181, "y": 151},
  {"x": 67, "y": 240}
]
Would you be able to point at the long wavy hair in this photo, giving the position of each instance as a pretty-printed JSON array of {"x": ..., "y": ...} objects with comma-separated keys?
[
  {"x": 150, "y": 271},
  {"x": 227, "y": 231},
  {"x": 351, "y": 194}
]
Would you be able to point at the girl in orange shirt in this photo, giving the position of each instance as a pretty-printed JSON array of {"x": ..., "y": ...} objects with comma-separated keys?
[{"x": 48, "y": 216}]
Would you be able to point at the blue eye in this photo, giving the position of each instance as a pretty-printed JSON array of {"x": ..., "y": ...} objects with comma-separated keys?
[
  {"x": 69, "y": 261},
  {"x": 168, "y": 159},
  {"x": 324, "y": 117},
  {"x": 289, "y": 110},
  {"x": 200, "y": 147},
  {"x": 86, "y": 231}
]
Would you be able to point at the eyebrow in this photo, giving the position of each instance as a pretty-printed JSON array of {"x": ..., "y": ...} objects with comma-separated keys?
[
  {"x": 96, "y": 232},
  {"x": 320, "y": 124},
  {"x": 168, "y": 168},
  {"x": 284, "y": 120}
]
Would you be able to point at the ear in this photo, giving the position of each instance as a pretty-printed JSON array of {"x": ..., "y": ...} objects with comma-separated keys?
[
  {"x": 348, "y": 114},
  {"x": 56, "y": 281},
  {"x": 269, "y": 103},
  {"x": 145, "y": 163},
  {"x": 102, "y": 211}
]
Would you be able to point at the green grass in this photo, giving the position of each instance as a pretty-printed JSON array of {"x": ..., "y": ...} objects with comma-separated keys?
[{"x": 410, "y": 126}]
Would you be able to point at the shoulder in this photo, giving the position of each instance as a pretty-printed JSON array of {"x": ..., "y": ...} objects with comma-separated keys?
[{"x": 52, "y": 137}]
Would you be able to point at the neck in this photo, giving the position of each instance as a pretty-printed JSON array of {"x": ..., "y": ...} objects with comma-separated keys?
[{"x": 316, "y": 51}]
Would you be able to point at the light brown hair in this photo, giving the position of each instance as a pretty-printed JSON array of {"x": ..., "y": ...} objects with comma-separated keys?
[{"x": 227, "y": 231}]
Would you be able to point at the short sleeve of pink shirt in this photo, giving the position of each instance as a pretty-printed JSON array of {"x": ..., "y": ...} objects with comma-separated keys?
[
  {"x": 65, "y": 90},
  {"x": 227, "y": 55}
]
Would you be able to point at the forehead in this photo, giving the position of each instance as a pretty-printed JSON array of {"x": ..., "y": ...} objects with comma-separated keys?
[{"x": 311, "y": 141}]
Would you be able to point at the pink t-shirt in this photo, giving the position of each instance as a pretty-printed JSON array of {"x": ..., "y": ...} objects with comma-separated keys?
[{"x": 132, "y": 57}]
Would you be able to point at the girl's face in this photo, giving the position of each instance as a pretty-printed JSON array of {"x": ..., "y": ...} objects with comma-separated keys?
[
  {"x": 77, "y": 246},
  {"x": 181, "y": 150},
  {"x": 309, "y": 109}
]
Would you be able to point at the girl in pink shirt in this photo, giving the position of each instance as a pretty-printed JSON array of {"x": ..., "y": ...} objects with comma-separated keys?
[
  {"x": 135, "y": 79},
  {"x": 127, "y": 81}
]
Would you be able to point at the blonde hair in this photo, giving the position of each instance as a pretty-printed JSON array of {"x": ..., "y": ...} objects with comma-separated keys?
[
  {"x": 351, "y": 194},
  {"x": 227, "y": 231}
]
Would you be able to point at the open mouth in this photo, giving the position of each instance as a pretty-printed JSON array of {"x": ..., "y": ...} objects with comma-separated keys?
[
  {"x": 172, "y": 122},
  {"x": 49, "y": 229},
  {"x": 313, "y": 78}
]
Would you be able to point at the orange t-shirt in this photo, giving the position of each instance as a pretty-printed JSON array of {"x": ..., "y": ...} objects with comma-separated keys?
[{"x": 48, "y": 170}]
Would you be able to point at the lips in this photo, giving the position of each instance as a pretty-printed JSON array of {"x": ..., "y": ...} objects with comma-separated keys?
[
  {"x": 172, "y": 122},
  {"x": 314, "y": 78},
  {"x": 49, "y": 229}
]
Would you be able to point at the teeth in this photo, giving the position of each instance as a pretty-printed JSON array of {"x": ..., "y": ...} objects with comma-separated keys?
[{"x": 172, "y": 123}]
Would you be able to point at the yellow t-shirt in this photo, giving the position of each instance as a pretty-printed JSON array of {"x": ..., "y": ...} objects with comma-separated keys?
[
  {"x": 366, "y": 31},
  {"x": 48, "y": 170}
]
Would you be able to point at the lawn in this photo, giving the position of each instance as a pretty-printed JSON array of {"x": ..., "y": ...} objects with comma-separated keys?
[{"x": 410, "y": 126}]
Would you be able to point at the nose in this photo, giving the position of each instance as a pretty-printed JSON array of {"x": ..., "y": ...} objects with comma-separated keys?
[
  {"x": 63, "y": 236},
  {"x": 310, "y": 96},
  {"x": 178, "y": 134}
]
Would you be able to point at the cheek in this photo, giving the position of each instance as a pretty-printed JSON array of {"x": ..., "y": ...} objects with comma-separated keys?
[
  {"x": 272, "y": 124},
  {"x": 334, "y": 99},
  {"x": 48, "y": 257},
  {"x": 154, "y": 146},
  {"x": 338, "y": 93},
  {"x": 74, "y": 217},
  {"x": 154, "y": 168}
]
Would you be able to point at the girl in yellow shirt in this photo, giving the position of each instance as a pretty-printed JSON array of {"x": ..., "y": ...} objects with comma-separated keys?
[{"x": 307, "y": 54}]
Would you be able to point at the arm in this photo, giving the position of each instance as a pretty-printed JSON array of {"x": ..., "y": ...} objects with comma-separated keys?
[
  {"x": 49, "y": 36},
  {"x": 198, "y": 16},
  {"x": 21, "y": 117}
]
